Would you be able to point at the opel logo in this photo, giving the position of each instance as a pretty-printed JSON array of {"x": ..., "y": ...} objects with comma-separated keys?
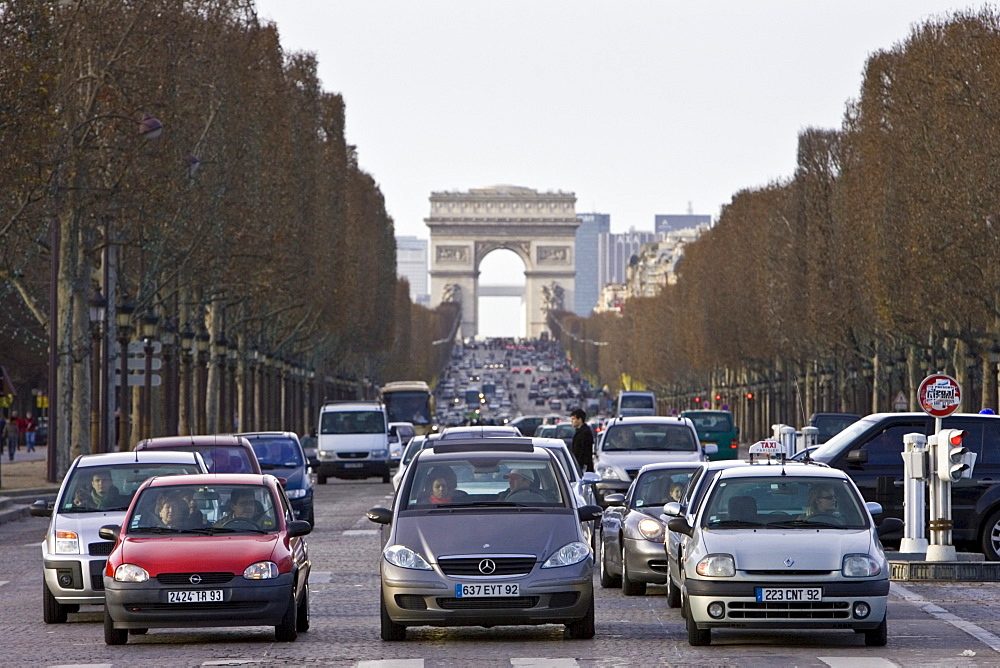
[
  {"x": 195, "y": 579},
  {"x": 487, "y": 566}
]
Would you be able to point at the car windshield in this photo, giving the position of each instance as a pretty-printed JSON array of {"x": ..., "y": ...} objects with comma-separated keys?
[
  {"x": 488, "y": 480},
  {"x": 92, "y": 489},
  {"x": 276, "y": 453},
  {"x": 655, "y": 488},
  {"x": 670, "y": 437},
  {"x": 784, "y": 502},
  {"x": 833, "y": 447},
  {"x": 204, "y": 509},
  {"x": 353, "y": 422}
]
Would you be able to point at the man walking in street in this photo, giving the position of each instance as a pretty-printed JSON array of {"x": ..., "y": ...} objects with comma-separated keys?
[{"x": 583, "y": 440}]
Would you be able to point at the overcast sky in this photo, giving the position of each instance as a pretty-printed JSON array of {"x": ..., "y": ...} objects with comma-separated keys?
[{"x": 638, "y": 107}]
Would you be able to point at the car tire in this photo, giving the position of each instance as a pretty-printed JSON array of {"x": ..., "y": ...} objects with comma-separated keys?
[
  {"x": 53, "y": 612},
  {"x": 320, "y": 479},
  {"x": 696, "y": 637},
  {"x": 386, "y": 477},
  {"x": 287, "y": 631},
  {"x": 138, "y": 632},
  {"x": 629, "y": 586},
  {"x": 608, "y": 581},
  {"x": 673, "y": 593},
  {"x": 583, "y": 629},
  {"x": 991, "y": 537},
  {"x": 113, "y": 636},
  {"x": 302, "y": 616},
  {"x": 879, "y": 636},
  {"x": 391, "y": 631}
]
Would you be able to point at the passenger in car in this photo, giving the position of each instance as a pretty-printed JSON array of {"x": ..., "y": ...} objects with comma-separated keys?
[
  {"x": 442, "y": 484},
  {"x": 172, "y": 512}
]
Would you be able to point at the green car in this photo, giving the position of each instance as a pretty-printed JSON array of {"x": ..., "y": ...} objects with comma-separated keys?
[{"x": 716, "y": 427}]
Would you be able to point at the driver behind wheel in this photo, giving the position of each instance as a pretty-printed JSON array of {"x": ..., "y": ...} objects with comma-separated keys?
[
  {"x": 243, "y": 509},
  {"x": 822, "y": 502},
  {"x": 518, "y": 481}
]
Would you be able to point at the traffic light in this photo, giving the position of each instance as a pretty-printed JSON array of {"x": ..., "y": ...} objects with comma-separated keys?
[
  {"x": 951, "y": 454},
  {"x": 718, "y": 397},
  {"x": 750, "y": 395}
]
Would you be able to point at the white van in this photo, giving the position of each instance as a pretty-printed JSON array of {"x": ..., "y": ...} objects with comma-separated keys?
[{"x": 353, "y": 441}]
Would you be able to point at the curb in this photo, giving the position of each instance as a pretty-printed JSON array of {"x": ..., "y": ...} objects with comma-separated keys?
[{"x": 14, "y": 508}]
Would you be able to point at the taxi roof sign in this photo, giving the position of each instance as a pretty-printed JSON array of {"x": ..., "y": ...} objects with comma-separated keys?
[{"x": 768, "y": 447}]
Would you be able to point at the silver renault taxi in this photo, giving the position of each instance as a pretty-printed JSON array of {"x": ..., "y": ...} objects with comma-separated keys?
[
  {"x": 782, "y": 545},
  {"x": 485, "y": 532}
]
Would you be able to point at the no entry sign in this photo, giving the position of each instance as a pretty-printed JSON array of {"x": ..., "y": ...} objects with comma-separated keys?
[{"x": 939, "y": 395}]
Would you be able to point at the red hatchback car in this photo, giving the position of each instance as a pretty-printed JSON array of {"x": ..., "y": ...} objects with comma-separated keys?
[{"x": 207, "y": 550}]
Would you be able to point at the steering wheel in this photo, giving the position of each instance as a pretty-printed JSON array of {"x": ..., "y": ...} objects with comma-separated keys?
[
  {"x": 240, "y": 523},
  {"x": 524, "y": 496},
  {"x": 826, "y": 518}
]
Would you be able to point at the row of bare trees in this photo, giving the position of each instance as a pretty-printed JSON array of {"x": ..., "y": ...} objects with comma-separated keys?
[
  {"x": 841, "y": 287},
  {"x": 170, "y": 156}
]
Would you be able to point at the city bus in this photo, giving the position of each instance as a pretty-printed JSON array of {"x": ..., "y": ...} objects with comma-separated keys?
[{"x": 410, "y": 401}]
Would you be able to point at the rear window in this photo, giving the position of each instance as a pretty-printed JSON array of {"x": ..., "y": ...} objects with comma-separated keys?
[
  {"x": 711, "y": 423},
  {"x": 636, "y": 401}
]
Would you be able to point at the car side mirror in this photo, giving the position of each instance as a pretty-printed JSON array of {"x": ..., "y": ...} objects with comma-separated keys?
[
  {"x": 590, "y": 513},
  {"x": 680, "y": 525},
  {"x": 859, "y": 456},
  {"x": 889, "y": 525},
  {"x": 40, "y": 508},
  {"x": 109, "y": 531},
  {"x": 615, "y": 499},
  {"x": 380, "y": 515},
  {"x": 298, "y": 528},
  {"x": 711, "y": 449},
  {"x": 673, "y": 509},
  {"x": 589, "y": 478}
]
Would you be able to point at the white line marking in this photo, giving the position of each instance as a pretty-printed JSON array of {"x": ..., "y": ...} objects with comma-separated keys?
[
  {"x": 3, "y": 582},
  {"x": 856, "y": 662},
  {"x": 545, "y": 663},
  {"x": 82, "y": 665},
  {"x": 392, "y": 663},
  {"x": 320, "y": 577},
  {"x": 934, "y": 610},
  {"x": 360, "y": 532},
  {"x": 231, "y": 662}
]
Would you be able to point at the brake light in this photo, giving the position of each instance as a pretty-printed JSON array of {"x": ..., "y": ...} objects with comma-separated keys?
[{"x": 734, "y": 444}]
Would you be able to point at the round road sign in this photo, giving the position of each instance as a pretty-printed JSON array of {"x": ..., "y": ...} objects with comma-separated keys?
[{"x": 939, "y": 395}]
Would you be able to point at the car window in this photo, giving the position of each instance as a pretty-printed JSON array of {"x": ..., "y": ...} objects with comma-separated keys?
[
  {"x": 277, "y": 452},
  {"x": 784, "y": 503},
  {"x": 101, "y": 488},
  {"x": 664, "y": 437},
  {"x": 885, "y": 448},
  {"x": 658, "y": 487},
  {"x": 353, "y": 422}
]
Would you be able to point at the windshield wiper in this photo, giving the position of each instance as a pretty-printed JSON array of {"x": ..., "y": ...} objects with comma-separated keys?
[{"x": 735, "y": 524}]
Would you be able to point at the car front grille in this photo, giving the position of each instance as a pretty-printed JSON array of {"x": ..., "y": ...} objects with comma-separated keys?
[
  {"x": 469, "y": 566},
  {"x": 488, "y": 603},
  {"x": 789, "y": 573},
  {"x": 789, "y": 610},
  {"x": 352, "y": 455},
  {"x": 101, "y": 549},
  {"x": 184, "y": 579}
]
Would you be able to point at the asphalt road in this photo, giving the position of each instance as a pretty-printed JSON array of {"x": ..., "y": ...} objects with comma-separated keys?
[{"x": 937, "y": 624}]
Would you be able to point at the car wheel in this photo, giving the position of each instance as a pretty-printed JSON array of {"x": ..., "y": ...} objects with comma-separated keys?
[
  {"x": 320, "y": 479},
  {"x": 630, "y": 587},
  {"x": 286, "y": 630},
  {"x": 386, "y": 477},
  {"x": 608, "y": 581},
  {"x": 696, "y": 637},
  {"x": 879, "y": 636},
  {"x": 53, "y": 612},
  {"x": 113, "y": 636},
  {"x": 673, "y": 593},
  {"x": 138, "y": 632},
  {"x": 391, "y": 631},
  {"x": 302, "y": 616},
  {"x": 991, "y": 537},
  {"x": 583, "y": 629}
]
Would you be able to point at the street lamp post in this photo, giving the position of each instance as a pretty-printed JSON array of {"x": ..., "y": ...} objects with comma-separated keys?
[
  {"x": 98, "y": 308},
  {"x": 149, "y": 322},
  {"x": 123, "y": 319}
]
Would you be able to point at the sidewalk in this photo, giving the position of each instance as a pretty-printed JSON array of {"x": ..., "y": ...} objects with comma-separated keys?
[{"x": 22, "y": 482}]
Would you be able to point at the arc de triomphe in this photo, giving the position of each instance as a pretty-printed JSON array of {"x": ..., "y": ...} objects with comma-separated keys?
[{"x": 539, "y": 227}]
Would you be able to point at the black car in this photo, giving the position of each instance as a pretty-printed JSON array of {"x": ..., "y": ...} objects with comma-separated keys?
[
  {"x": 869, "y": 451},
  {"x": 831, "y": 424},
  {"x": 280, "y": 454}
]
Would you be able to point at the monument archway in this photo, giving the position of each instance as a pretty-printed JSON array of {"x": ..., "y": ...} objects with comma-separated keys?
[{"x": 539, "y": 227}]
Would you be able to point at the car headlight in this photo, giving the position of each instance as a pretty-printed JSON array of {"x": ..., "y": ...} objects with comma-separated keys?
[
  {"x": 262, "y": 570},
  {"x": 860, "y": 566},
  {"x": 295, "y": 493},
  {"x": 67, "y": 542},
  {"x": 380, "y": 454},
  {"x": 607, "y": 472},
  {"x": 567, "y": 555},
  {"x": 404, "y": 557},
  {"x": 651, "y": 530},
  {"x": 131, "y": 573},
  {"x": 717, "y": 566}
]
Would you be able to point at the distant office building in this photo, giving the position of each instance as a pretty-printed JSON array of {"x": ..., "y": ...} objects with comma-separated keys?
[
  {"x": 666, "y": 223},
  {"x": 588, "y": 285},
  {"x": 411, "y": 264},
  {"x": 615, "y": 251}
]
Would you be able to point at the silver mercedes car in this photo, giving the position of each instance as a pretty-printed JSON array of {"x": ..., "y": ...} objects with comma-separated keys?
[{"x": 485, "y": 532}]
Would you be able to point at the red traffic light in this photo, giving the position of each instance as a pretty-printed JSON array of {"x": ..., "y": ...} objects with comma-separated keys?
[
  {"x": 718, "y": 397},
  {"x": 697, "y": 400},
  {"x": 749, "y": 395}
]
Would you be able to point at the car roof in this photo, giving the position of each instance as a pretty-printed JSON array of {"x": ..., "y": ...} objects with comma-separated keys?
[
  {"x": 140, "y": 456},
  {"x": 267, "y": 434},
  {"x": 484, "y": 431},
  {"x": 214, "y": 479},
  {"x": 447, "y": 449},
  {"x": 788, "y": 469},
  {"x": 353, "y": 406},
  {"x": 196, "y": 439},
  {"x": 651, "y": 419}
]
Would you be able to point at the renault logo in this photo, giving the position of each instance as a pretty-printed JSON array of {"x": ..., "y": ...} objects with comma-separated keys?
[
  {"x": 487, "y": 566},
  {"x": 195, "y": 579},
  {"x": 789, "y": 562}
]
